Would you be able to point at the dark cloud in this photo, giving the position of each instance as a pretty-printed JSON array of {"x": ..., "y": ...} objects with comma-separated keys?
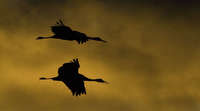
[
  {"x": 152, "y": 46},
  {"x": 25, "y": 99}
]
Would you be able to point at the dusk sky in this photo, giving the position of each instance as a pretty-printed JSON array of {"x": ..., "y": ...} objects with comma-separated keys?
[{"x": 151, "y": 60}]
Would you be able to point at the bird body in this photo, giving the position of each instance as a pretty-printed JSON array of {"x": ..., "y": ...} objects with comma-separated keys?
[
  {"x": 68, "y": 73},
  {"x": 64, "y": 32}
]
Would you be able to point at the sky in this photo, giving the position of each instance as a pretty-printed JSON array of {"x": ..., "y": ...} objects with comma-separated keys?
[{"x": 151, "y": 59}]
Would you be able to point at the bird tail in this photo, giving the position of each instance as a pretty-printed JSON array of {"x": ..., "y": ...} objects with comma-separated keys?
[
  {"x": 97, "y": 39},
  {"x": 38, "y": 38}
]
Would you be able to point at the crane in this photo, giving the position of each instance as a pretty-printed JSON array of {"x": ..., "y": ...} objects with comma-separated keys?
[
  {"x": 68, "y": 73},
  {"x": 61, "y": 31}
]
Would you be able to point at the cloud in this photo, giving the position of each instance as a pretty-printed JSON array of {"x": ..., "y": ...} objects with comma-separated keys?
[{"x": 151, "y": 57}]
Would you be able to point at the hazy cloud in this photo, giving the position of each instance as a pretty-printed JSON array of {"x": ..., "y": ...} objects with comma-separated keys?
[{"x": 151, "y": 58}]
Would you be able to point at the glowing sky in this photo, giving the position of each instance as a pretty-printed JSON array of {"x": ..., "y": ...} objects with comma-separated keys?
[{"x": 151, "y": 59}]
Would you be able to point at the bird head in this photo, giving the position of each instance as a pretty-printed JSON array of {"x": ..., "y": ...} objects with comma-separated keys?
[
  {"x": 101, "y": 80},
  {"x": 99, "y": 39}
]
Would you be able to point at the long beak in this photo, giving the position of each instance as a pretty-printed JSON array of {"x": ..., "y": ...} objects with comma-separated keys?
[
  {"x": 104, "y": 41},
  {"x": 106, "y": 82}
]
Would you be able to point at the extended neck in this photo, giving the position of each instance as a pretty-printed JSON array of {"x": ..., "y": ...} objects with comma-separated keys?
[
  {"x": 97, "y": 80},
  {"x": 53, "y": 78},
  {"x": 44, "y": 37},
  {"x": 97, "y": 39},
  {"x": 94, "y": 80}
]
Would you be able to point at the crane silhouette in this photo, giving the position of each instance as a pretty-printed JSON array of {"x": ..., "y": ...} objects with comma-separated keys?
[
  {"x": 68, "y": 73},
  {"x": 64, "y": 32}
]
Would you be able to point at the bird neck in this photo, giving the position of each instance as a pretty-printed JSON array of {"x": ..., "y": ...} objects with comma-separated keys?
[
  {"x": 88, "y": 79},
  {"x": 93, "y": 38},
  {"x": 56, "y": 79},
  {"x": 53, "y": 78},
  {"x": 97, "y": 80},
  {"x": 44, "y": 37},
  {"x": 96, "y": 39}
]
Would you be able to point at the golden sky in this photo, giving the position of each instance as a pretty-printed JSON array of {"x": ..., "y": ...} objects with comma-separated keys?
[{"x": 151, "y": 59}]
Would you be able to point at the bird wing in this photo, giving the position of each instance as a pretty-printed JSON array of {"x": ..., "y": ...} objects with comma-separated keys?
[
  {"x": 69, "y": 69},
  {"x": 76, "y": 85},
  {"x": 80, "y": 37},
  {"x": 60, "y": 28}
]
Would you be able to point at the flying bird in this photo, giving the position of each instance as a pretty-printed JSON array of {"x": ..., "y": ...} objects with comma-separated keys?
[
  {"x": 61, "y": 31},
  {"x": 68, "y": 73}
]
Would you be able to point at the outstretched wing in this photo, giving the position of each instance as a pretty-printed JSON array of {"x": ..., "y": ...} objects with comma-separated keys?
[
  {"x": 61, "y": 29},
  {"x": 76, "y": 85},
  {"x": 68, "y": 70}
]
